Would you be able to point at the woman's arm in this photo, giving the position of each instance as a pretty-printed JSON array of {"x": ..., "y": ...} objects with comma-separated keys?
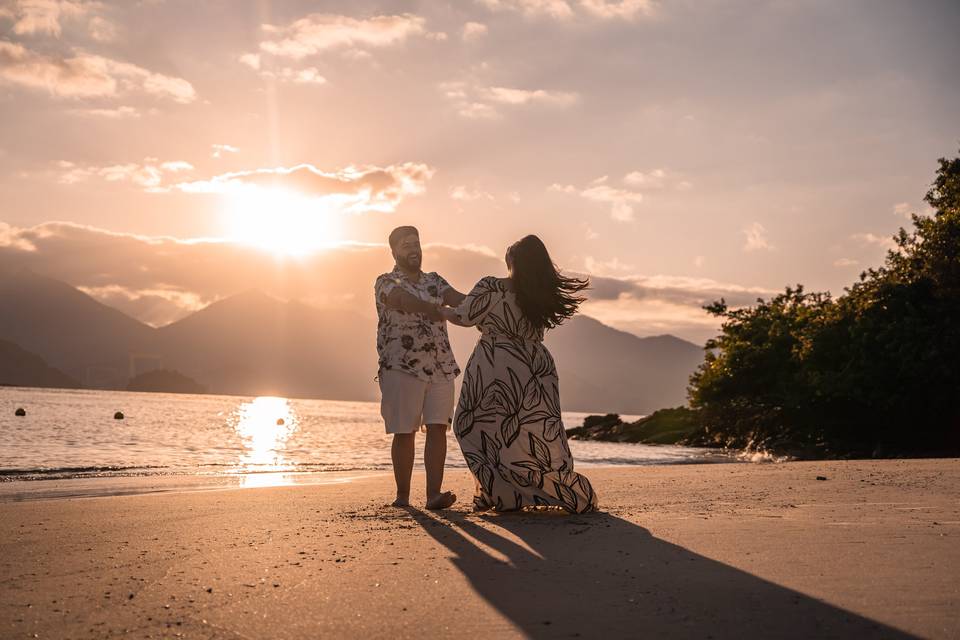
[
  {"x": 452, "y": 297},
  {"x": 475, "y": 305}
]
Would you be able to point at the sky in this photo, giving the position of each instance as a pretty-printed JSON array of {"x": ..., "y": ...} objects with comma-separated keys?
[{"x": 163, "y": 154}]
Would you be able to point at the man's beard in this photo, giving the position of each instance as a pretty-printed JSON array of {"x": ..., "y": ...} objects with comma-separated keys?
[{"x": 410, "y": 263}]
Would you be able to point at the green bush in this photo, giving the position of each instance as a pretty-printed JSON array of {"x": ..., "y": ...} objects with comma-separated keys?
[
  {"x": 873, "y": 371},
  {"x": 665, "y": 426}
]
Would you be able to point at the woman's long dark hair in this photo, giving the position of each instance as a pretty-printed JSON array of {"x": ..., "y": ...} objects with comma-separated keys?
[{"x": 545, "y": 296}]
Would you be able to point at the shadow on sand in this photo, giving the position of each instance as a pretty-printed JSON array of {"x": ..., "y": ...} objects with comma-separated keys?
[{"x": 596, "y": 576}]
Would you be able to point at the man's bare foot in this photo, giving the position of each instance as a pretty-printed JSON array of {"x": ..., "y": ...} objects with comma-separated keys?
[
  {"x": 443, "y": 501},
  {"x": 401, "y": 501}
]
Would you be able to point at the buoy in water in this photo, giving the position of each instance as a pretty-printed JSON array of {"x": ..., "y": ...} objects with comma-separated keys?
[
  {"x": 280, "y": 421},
  {"x": 20, "y": 412},
  {"x": 118, "y": 415}
]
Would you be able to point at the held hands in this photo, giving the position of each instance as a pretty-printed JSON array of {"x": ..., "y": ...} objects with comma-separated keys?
[
  {"x": 433, "y": 314},
  {"x": 441, "y": 314},
  {"x": 449, "y": 314}
]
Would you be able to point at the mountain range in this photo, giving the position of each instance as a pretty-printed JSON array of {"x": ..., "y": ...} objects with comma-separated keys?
[{"x": 253, "y": 344}]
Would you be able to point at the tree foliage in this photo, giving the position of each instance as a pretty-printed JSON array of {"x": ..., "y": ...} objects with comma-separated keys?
[{"x": 873, "y": 371}]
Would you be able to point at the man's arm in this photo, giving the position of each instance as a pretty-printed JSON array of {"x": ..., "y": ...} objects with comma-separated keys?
[
  {"x": 409, "y": 303},
  {"x": 452, "y": 297}
]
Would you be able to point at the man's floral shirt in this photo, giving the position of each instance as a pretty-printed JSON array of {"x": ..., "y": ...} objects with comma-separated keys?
[{"x": 409, "y": 342}]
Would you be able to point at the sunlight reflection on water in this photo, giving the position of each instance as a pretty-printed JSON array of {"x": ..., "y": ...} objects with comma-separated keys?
[{"x": 264, "y": 424}]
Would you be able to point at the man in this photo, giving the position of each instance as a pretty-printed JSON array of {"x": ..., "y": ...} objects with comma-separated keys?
[{"x": 417, "y": 367}]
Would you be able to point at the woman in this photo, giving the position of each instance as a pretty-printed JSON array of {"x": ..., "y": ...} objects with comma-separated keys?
[{"x": 508, "y": 418}]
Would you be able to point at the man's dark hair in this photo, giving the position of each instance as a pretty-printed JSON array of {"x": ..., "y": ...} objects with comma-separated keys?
[{"x": 397, "y": 234}]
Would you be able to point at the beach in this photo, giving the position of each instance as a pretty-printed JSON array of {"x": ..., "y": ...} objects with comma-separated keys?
[{"x": 684, "y": 551}]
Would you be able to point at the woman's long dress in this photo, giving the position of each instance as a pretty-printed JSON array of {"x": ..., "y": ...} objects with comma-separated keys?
[{"x": 508, "y": 419}]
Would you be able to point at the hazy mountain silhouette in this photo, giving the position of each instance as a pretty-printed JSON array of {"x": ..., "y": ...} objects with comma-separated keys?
[
  {"x": 165, "y": 381},
  {"x": 253, "y": 344},
  {"x": 604, "y": 368},
  {"x": 22, "y": 368},
  {"x": 73, "y": 332}
]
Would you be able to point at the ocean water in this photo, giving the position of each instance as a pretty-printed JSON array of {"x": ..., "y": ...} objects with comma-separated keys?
[{"x": 73, "y": 434}]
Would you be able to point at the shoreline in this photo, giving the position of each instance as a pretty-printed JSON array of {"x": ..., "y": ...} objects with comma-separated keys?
[
  {"x": 139, "y": 485},
  {"x": 679, "y": 551},
  {"x": 669, "y": 455},
  {"x": 23, "y": 485},
  {"x": 16, "y": 489}
]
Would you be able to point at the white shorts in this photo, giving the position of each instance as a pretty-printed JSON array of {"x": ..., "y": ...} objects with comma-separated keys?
[{"x": 407, "y": 402}]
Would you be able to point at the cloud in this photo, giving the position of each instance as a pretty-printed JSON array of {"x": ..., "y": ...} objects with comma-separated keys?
[
  {"x": 33, "y": 17},
  {"x": 564, "y": 10},
  {"x": 11, "y": 238},
  {"x": 318, "y": 33},
  {"x": 658, "y": 179},
  {"x": 307, "y": 75},
  {"x": 155, "y": 307},
  {"x": 310, "y": 75},
  {"x": 473, "y": 31},
  {"x": 557, "y": 9},
  {"x": 476, "y": 101},
  {"x": 885, "y": 242},
  {"x": 220, "y": 149},
  {"x": 252, "y": 60},
  {"x": 463, "y": 193},
  {"x": 174, "y": 277},
  {"x": 349, "y": 190},
  {"x": 352, "y": 189},
  {"x": 902, "y": 209},
  {"x": 176, "y": 165},
  {"x": 84, "y": 75},
  {"x": 116, "y": 113},
  {"x": 621, "y": 201},
  {"x": 845, "y": 262},
  {"x": 102, "y": 30},
  {"x": 149, "y": 174},
  {"x": 477, "y": 111},
  {"x": 683, "y": 290},
  {"x": 756, "y": 238},
  {"x": 619, "y": 9},
  {"x": 506, "y": 95},
  {"x": 605, "y": 267}
]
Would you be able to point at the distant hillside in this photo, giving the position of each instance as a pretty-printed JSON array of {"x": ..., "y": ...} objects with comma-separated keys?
[
  {"x": 165, "y": 381},
  {"x": 73, "y": 332},
  {"x": 253, "y": 344},
  {"x": 21, "y": 368},
  {"x": 604, "y": 369}
]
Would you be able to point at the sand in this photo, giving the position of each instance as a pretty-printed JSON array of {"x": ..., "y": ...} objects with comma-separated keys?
[{"x": 693, "y": 551}]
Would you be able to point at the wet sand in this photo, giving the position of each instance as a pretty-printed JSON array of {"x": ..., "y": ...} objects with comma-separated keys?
[{"x": 691, "y": 551}]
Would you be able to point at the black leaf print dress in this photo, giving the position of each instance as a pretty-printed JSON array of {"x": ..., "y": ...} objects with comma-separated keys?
[{"x": 508, "y": 417}]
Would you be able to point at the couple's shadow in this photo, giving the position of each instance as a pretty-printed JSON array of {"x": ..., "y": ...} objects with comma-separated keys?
[{"x": 598, "y": 575}]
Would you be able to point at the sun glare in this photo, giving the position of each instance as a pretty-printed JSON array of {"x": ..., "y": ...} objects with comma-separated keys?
[
  {"x": 264, "y": 425},
  {"x": 282, "y": 222}
]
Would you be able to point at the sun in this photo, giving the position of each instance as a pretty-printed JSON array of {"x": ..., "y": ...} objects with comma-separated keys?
[{"x": 280, "y": 221}]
